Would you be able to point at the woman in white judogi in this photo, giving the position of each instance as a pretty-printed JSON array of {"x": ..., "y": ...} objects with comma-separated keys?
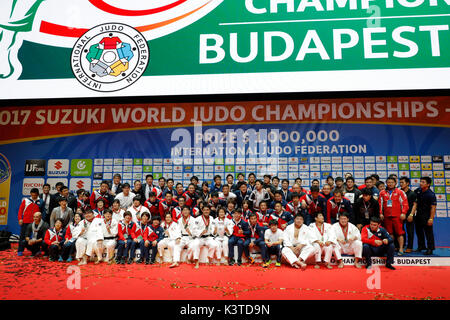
[
  {"x": 91, "y": 232},
  {"x": 223, "y": 228},
  {"x": 110, "y": 229},
  {"x": 117, "y": 211},
  {"x": 349, "y": 240},
  {"x": 186, "y": 225},
  {"x": 172, "y": 238},
  {"x": 137, "y": 209},
  {"x": 297, "y": 246},
  {"x": 323, "y": 240},
  {"x": 204, "y": 229}
]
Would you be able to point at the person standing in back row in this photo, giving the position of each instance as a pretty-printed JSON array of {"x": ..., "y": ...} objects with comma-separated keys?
[
  {"x": 393, "y": 208},
  {"x": 426, "y": 210},
  {"x": 412, "y": 203}
]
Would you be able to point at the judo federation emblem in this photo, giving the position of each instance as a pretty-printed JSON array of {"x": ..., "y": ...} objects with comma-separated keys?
[{"x": 110, "y": 57}]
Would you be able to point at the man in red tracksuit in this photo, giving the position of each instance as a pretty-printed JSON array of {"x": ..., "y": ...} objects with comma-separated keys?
[
  {"x": 27, "y": 209},
  {"x": 393, "y": 209}
]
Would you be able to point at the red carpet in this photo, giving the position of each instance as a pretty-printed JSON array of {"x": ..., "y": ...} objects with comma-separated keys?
[{"x": 36, "y": 278}]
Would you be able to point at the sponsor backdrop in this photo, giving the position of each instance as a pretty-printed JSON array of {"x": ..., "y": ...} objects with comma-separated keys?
[
  {"x": 82, "y": 145},
  {"x": 169, "y": 47}
]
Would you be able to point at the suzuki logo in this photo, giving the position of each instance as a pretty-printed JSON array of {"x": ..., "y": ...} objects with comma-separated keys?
[
  {"x": 58, "y": 165},
  {"x": 80, "y": 184}
]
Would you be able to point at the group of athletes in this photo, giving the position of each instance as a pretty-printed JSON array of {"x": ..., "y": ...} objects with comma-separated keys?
[{"x": 267, "y": 216}]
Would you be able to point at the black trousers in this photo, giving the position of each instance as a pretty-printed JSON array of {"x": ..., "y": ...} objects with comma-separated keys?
[
  {"x": 54, "y": 251},
  {"x": 409, "y": 228},
  {"x": 424, "y": 231},
  {"x": 372, "y": 251},
  {"x": 22, "y": 241}
]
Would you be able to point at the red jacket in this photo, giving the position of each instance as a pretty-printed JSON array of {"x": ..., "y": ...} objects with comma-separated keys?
[
  {"x": 69, "y": 235},
  {"x": 150, "y": 235},
  {"x": 334, "y": 209},
  {"x": 51, "y": 236},
  {"x": 153, "y": 207},
  {"x": 176, "y": 213},
  {"x": 140, "y": 230},
  {"x": 294, "y": 209},
  {"x": 124, "y": 229},
  {"x": 399, "y": 203},
  {"x": 369, "y": 237},
  {"x": 191, "y": 199},
  {"x": 165, "y": 207},
  {"x": 27, "y": 209},
  {"x": 97, "y": 195}
]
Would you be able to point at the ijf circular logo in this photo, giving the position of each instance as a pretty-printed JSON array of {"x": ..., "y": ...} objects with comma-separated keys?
[{"x": 110, "y": 57}]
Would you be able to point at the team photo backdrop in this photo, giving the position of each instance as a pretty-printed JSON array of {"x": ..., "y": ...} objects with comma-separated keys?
[{"x": 311, "y": 139}]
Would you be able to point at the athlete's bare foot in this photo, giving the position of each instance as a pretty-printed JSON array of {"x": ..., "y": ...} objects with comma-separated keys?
[
  {"x": 173, "y": 265},
  {"x": 341, "y": 264},
  {"x": 302, "y": 265}
]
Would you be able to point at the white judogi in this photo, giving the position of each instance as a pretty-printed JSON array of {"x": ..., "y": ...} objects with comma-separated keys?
[
  {"x": 125, "y": 201},
  {"x": 351, "y": 247},
  {"x": 172, "y": 233},
  {"x": 231, "y": 195},
  {"x": 118, "y": 216},
  {"x": 87, "y": 242},
  {"x": 186, "y": 239},
  {"x": 224, "y": 228},
  {"x": 206, "y": 239},
  {"x": 74, "y": 231},
  {"x": 324, "y": 234},
  {"x": 303, "y": 238},
  {"x": 136, "y": 212},
  {"x": 110, "y": 244}
]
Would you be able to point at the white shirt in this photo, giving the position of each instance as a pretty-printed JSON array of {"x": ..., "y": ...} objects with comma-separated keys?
[
  {"x": 258, "y": 196},
  {"x": 273, "y": 237},
  {"x": 136, "y": 212},
  {"x": 118, "y": 216},
  {"x": 231, "y": 195},
  {"x": 125, "y": 201}
]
